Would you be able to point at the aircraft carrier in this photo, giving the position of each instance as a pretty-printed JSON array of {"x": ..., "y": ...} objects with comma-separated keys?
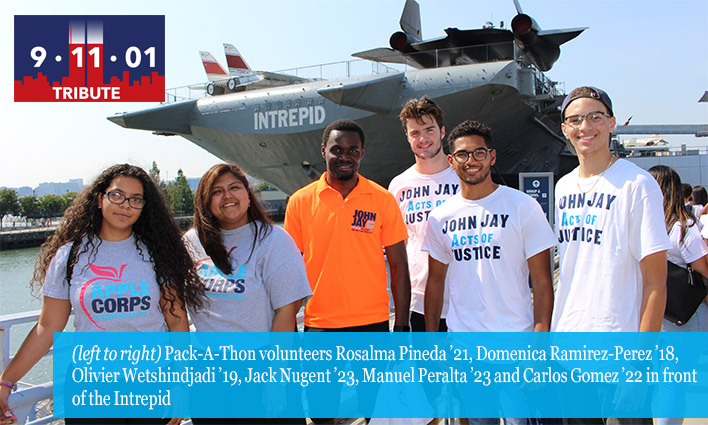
[{"x": 492, "y": 75}]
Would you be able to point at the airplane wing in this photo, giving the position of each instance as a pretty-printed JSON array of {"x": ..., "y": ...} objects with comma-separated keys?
[
  {"x": 283, "y": 78},
  {"x": 384, "y": 54},
  {"x": 561, "y": 36}
]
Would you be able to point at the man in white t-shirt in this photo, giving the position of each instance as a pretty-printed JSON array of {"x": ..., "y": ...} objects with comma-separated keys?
[
  {"x": 610, "y": 228},
  {"x": 421, "y": 188},
  {"x": 611, "y": 234},
  {"x": 487, "y": 240}
]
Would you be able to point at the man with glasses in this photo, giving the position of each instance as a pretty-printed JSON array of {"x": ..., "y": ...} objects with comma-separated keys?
[
  {"x": 421, "y": 188},
  {"x": 489, "y": 239},
  {"x": 611, "y": 234},
  {"x": 610, "y": 227}
]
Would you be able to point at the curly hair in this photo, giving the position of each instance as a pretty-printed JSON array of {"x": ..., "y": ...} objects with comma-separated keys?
[
  {"x": 416, "y": 109},
  {"x": 155, "y": 228},
  {"x": 470, "y": 128},
  {"x": 674, "y": 207},
  {"x": 207, "y": 226}
]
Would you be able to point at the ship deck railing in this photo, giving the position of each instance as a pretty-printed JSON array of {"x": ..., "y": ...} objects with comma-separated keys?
[
  {"x": 33, "y": 403},
  {"x": 363, "y": 67},
  {"x": 625, "y": 151}
]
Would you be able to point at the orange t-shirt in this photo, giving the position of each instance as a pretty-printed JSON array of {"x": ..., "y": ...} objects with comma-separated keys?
[{"x": 342, "y": 241}]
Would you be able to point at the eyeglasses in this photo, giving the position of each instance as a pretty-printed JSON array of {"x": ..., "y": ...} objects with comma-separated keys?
[
  {"x": 593, "y": 118},
  {"x": 118, "y": 199},
  {"x": 479, "y": 154}
]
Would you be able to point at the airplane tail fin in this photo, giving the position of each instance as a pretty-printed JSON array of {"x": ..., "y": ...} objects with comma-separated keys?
[
  {"x": 214, "y": 71},
  {"x": 410, "y": 19},
  {"x": 235, "y": 62}
]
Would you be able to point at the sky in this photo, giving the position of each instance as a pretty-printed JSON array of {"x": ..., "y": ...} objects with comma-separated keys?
[{"x": 651, "y": 56}]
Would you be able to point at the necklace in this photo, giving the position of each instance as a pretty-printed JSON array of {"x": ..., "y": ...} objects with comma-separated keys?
[{"x": 598, "y": 177}]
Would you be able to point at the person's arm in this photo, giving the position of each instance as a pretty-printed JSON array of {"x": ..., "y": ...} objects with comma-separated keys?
[
  {"x": 285, "y": 319},
  {"x": 701, "y": 266},
  {"x": 653, "y": 268},
  {"x": 542, "y": 288},
  {"x": 400, "y": 282},
  {"x": 434, "y": 294},
  {"x": 55, "y": 313},
  {"x": 177, "y": 320}
]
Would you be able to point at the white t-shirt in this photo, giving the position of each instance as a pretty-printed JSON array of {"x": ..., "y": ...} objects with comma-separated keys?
[
  {"x": 417, "y": 195},
  {"x": 245, "y": 301},
  {"x": 691, "y": 249},
  {"x": 602, "y": 236},
  {"x": 113, "y": 287},
  {"x": 487, "y": 243},
  {"x": 704, "y": 220}
]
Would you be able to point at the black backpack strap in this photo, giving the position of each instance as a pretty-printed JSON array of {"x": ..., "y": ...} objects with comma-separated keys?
[{"x": 70, "y": 261}]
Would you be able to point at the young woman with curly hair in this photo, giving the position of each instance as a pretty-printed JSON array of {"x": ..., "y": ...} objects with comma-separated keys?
[
  {"x": 119, "y": 231},
  {"x": 253, "y": 274}
]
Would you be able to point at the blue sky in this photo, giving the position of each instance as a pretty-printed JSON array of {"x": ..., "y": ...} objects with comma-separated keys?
[{"x": 651, "y": 56}]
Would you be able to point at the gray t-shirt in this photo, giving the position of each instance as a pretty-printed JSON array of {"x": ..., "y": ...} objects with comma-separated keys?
[
  {"x": 113, "y": 287},
  {"x": 246, "y": 300}
]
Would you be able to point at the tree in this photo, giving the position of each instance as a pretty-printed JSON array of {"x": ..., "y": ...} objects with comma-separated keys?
[
  {"x": 264, "y": 186},
  {"x": 8, "y": 204},
  {"x": 51, "y": 205},
  {"x": 68, "y": 198},
  {"x": 29, "y": 206},
  {"x": 179, "y": 195},
  {"x": 155, "y": 176}
]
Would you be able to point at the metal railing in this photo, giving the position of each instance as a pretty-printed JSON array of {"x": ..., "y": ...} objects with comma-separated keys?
[{"x": 32, "y": 404}]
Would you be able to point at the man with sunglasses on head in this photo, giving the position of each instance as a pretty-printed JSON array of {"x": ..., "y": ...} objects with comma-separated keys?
[
  {"x": 421, "y": 188},
  {"x": 611, "y": 234},
  {"x": 610, "y": 228},
  {"x": 489, "y": 239}
]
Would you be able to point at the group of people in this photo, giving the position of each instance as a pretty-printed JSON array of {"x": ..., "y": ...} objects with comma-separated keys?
[{"x": 464, "y": 254}]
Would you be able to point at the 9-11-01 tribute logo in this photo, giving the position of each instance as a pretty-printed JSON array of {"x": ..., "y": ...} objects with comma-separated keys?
[{"x": 110, "y": 58}]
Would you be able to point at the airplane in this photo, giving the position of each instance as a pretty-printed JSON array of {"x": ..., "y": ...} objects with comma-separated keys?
[
  {"x": 459, "y": 47},
  {"x": 492, "y": 75},
  {"x": 239, "y": 77}
]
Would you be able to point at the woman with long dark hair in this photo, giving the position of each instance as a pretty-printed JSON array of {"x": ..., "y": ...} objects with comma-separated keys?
[
  {"x": 121, "y": 227},
  {"x": 688, "y": 248},
  {"x": 253, "y": 274}
]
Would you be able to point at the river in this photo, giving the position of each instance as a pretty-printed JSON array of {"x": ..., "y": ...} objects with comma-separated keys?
[{"x": 16, "y": 269}]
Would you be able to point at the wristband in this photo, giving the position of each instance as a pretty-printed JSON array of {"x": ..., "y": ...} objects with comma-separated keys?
[
  {"x": 401, "y": 328},
  {"x": 10, "y": 385}
]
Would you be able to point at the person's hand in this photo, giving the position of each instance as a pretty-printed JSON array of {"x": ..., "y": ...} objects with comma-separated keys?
[{"x": 6, "y": 416}]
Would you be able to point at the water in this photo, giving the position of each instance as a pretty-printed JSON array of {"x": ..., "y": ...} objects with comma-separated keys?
[{"x": 16, "y": 269}]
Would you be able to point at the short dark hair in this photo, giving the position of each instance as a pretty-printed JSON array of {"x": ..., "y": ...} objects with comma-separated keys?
[
  {"x": 469, "y": 128},
  {"x": 416, "y": 109},
  {"x": 687, "y": 190},
  {"x": 699, "y": 196},
  {"x": 343, "y": 125}
]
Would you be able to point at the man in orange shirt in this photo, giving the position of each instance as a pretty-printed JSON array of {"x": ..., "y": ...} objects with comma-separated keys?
[{"x": 340, "y": 223}]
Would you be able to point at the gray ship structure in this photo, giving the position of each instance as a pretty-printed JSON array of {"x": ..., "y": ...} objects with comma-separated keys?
[{"x": 272, "y": 128}]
